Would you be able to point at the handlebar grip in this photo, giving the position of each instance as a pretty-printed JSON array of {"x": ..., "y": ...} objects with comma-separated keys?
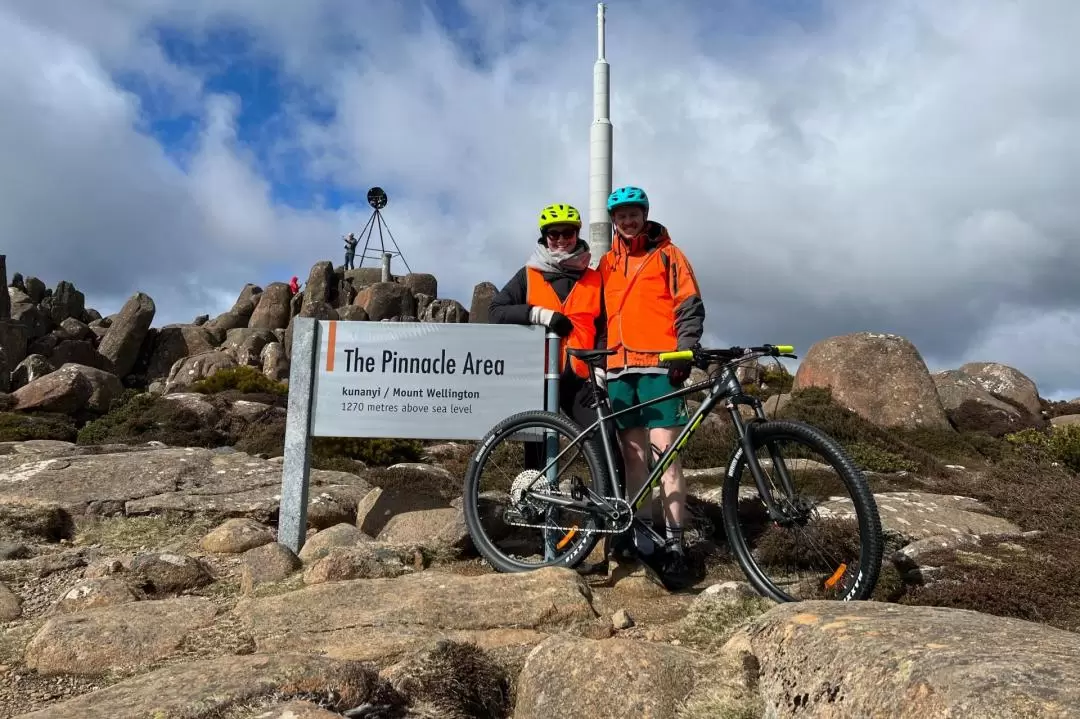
[
  {"x": 677, "y": 355},
  {"x": 785, "y": 349}
]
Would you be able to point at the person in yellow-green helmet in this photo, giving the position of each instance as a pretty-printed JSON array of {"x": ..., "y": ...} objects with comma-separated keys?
[{"x": 556, "y": 288}]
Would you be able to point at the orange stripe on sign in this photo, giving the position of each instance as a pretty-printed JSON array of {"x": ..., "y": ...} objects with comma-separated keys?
[{"x": 331, "y": 342}]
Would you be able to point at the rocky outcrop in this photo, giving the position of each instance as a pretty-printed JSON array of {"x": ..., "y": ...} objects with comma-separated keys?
[
  {"x": 891, "y": 661},
  {"x": 182, "y": 480},
  {"x": 41, "y": 330},
  {"x": 881, "y": 377}
]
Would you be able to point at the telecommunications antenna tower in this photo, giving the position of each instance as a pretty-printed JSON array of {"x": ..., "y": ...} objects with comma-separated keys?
[{"x": 377, "y": 198}]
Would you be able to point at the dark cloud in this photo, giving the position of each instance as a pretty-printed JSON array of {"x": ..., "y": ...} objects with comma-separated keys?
[{"x": 897, "y": 167}]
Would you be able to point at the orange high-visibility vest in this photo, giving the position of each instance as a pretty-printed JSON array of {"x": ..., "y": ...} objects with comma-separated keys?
[{"x": 581, "y": 307}]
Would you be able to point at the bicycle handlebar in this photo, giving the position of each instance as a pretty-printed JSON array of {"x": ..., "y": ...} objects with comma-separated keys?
[{"x": 704, "y": 356}]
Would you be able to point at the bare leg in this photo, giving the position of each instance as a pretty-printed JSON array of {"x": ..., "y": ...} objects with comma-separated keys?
[
  {"x": 673, "y": 483},
  {"x": 635, "y": 448}
]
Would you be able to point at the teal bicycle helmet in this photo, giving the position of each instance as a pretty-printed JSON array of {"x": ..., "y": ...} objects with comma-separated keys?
[{"x": 627, "y": 196}]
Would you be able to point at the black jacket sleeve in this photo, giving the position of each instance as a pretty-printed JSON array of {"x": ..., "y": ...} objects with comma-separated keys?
[
  {"x": 508, "y": 305},
  {"x": 601, "y": 326}
]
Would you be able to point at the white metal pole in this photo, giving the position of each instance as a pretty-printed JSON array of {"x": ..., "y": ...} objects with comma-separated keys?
[{"x": 600, "y": 149}]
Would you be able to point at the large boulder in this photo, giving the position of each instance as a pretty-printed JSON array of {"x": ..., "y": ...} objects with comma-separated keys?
[
  {"x": 78, "y": 352},
  {"x": 176, "y": 342},
  {"x": 121, "y": 344},
  {"x": 881, "y": 377},
  {"x": 240, "y": 313},
  {"x": 246, "y": 344},
  {"x": 190, "y": 370},
  {"x": 384, "y": 300},
  {"x": 482, "y": 295},
  {"x": 273, "y": 310},
  {"x": 421, "y": 283},
  {"x": 69, "y": 390},
  {"x": 320, "y": 284},
  {"x": 65, "y": 302},
  {"x": 444, "y": 311},
  {"x": 1004, "y": 381},
  {"x": 5, "y": 298},
  {"x": 30, "y": 369},
  {"x": 873, "y": 659},
  {"x": 13, "y": 341}
]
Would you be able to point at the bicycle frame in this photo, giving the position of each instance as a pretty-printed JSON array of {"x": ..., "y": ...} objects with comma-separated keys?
[{"x": 726, "y": 388}]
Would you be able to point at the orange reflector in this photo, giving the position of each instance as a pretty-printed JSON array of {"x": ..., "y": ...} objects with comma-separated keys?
[
  {"x": 566, "y": 539},
  {"x": 831, "y": 581}
]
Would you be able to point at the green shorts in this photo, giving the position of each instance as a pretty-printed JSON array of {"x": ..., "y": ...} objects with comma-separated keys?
[{"x": 634, "y": 388}]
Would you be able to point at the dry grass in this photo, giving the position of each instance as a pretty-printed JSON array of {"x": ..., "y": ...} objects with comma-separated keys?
[
  {"x": 722, "y": 702},
  {"x": 165, "y": 532},
  {"x": 712, "y": 621}
]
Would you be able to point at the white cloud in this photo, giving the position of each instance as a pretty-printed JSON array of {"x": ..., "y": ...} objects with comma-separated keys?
[{"x": 901, "y": 166}]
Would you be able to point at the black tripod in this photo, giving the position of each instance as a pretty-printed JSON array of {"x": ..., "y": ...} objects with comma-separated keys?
[{"x": 376, "y": 197}]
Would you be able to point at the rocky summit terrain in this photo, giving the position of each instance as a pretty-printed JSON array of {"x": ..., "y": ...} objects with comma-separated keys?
[{"x": 140, "y": 576}]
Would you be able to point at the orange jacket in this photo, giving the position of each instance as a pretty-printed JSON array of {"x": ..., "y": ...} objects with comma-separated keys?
[
  {"x": 652, "y": 299},
  {"x": 581, "y": 307}
]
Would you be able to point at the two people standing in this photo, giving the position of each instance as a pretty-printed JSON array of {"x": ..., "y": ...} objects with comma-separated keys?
[{"x": 641, "y": 300}]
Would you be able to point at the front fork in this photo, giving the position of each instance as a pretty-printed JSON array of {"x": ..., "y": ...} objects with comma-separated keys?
[{"x": 746, "y": 446}]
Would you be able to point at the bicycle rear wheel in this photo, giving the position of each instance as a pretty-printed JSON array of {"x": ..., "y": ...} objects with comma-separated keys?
[
  {"x": 833, "y": 545},
  {"x": 507, "y": 525}
]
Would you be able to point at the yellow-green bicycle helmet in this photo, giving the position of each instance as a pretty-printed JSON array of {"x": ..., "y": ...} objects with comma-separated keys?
[{"x": 559, "y": 215}]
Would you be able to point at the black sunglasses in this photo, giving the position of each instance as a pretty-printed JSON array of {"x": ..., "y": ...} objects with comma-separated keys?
[{"x": 566, "y": 234}]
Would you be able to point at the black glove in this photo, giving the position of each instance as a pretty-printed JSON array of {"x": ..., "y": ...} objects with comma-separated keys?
[
  {"x": 679, "y": 371},
  {"x": 560, "y": 324}
]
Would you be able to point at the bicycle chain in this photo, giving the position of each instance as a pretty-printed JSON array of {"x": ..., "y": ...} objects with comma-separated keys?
[{"x": 552, "y": 492}]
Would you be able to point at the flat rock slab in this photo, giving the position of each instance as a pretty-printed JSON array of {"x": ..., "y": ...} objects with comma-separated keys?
[
  {"x": 574, "y": 677},
  {"x": 156, "y": 479},
  {"x": 381, "y": 619},
  {"x": 918, "y": 515},
  {"x": 205, "y": 689},
  {"x": 871, "y": 659},
  {"x": 117, "y": 637}
]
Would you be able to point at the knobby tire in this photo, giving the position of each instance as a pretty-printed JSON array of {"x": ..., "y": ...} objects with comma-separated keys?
[
  {"x": 470, "y": 498},
  {"x": 871, "y": 540}
]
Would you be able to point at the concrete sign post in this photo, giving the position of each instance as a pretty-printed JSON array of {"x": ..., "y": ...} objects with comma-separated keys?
[{"x": 407, "y": 380}]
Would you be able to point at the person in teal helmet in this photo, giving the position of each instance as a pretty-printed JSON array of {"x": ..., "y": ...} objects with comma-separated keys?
[{"x": 653, "y": 305}]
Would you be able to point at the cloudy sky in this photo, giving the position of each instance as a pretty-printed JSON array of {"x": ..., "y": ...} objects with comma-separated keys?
[{"x": 829, "y": 166}]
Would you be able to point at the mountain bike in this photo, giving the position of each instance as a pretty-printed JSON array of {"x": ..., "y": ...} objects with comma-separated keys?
[{"x": 843, "y": 557}]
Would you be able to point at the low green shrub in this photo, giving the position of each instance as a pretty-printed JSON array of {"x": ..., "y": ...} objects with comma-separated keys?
[
  {"x": 1060, "y": 443},
  {"x": 1032, "y": 578},
  {"x": 142, "y": 417},
  {"x": 374, "y": 451},
  {"x": 244, "y": 379},
  {"x": 876, "y": 449},
  {"x": 23, "y": 426}
]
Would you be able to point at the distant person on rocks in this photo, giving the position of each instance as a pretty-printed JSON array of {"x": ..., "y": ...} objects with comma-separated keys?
[
  {"x": 557, "y": 288},
  {"x": 653, "y": 305},
  {"x": 350, "y": 250},
  {"x": 294, "y": 285}
]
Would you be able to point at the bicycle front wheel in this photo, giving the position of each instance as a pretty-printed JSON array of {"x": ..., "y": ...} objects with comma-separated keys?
[
  {"x": 830, "y": 545},
  {"x": 509, "y": 523}
]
